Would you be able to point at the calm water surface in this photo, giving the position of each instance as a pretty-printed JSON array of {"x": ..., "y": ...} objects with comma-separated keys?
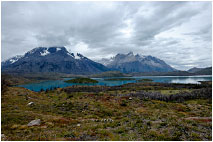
[{"x": 165, "y": 79}]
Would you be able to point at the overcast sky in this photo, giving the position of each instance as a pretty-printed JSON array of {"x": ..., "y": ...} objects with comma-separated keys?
[{"x": 177, "y": 32}]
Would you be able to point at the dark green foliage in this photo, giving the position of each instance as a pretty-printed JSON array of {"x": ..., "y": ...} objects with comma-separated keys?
[
  {"x": 69, "y": 96},
  {"x": 69, "y": 135},
  {"x": 123, "y": 103},
  {"x": 41, "y": 90},
  {"x": 81, "y": 80}
]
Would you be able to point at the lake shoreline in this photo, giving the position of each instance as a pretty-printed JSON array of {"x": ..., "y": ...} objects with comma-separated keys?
[{"x": 113, "y": 81}]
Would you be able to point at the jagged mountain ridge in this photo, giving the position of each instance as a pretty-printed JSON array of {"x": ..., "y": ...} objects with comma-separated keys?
[
  {"x": 58, "y": 59},
  {"x": 128, "y": 63},
  {"x": 52, "y": 59}
]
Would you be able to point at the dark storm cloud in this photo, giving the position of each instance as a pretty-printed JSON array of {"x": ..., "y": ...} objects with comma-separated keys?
[{"x": 172, "y": 31}]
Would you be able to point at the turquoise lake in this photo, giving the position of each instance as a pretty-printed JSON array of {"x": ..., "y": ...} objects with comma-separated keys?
[{"x": 165, "y": 79}]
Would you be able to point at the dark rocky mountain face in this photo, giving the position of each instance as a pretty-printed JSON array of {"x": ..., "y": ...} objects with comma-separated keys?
[
  {"x": 204, "y": 71},
  {"x": 52, "y": 59},
  {"x": 128, "y": 63},
  {"x": 201, "y": 71}
]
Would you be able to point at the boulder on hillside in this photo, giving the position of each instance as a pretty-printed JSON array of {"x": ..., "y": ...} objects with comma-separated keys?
[{"x": 34, "y": 122}]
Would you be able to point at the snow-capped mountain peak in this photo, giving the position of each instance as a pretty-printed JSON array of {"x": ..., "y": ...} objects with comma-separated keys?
[
  {"x": 52, "y": 59},
  {"x": 43, "y": 51},
  {"x": 136, "y": 63}
]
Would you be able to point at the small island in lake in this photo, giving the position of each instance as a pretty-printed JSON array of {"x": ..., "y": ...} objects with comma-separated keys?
[
  {"x": 81, "y": 80},
  {"x": 118, "y": 79}
]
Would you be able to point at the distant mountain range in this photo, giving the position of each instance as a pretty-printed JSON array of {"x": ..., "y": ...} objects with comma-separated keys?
[
  {"x": 52, "y": 59},
  {"x": 59, "y": 60},
  {"x": 204, "y": 71},
  {"x": 128, "y": 63},
  {"x": 193, "y": 70}
]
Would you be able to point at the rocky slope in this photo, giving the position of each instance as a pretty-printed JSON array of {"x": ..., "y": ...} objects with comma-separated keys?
[
  {"x": 128, "y": 63},
  {"x": 204, "y": 71}
]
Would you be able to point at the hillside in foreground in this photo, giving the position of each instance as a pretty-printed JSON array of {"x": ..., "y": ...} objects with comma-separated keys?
[{"x": 141, "y": 111}]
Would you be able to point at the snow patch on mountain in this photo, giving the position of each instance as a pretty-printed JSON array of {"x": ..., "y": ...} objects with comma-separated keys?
[
  {"x": 77, "y": 56},
  {"x": 34, "y": 50},
  {"x": 152, "y": 63},
  {"x": 71, "y": 54},
  {"x": 105, "y": 61},
  {"x": 45, "y": 52},
  {"x": 15, "y": 59},
  {"x": 31, "y": 51},
  {"x": 58, "y": 49}
]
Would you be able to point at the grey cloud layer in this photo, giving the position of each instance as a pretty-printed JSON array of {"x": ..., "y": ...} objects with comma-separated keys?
[{"x": 173, "y": 31}]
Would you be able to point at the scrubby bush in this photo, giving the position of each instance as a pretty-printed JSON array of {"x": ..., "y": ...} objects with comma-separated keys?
[{"x": 205, "y": 93}]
